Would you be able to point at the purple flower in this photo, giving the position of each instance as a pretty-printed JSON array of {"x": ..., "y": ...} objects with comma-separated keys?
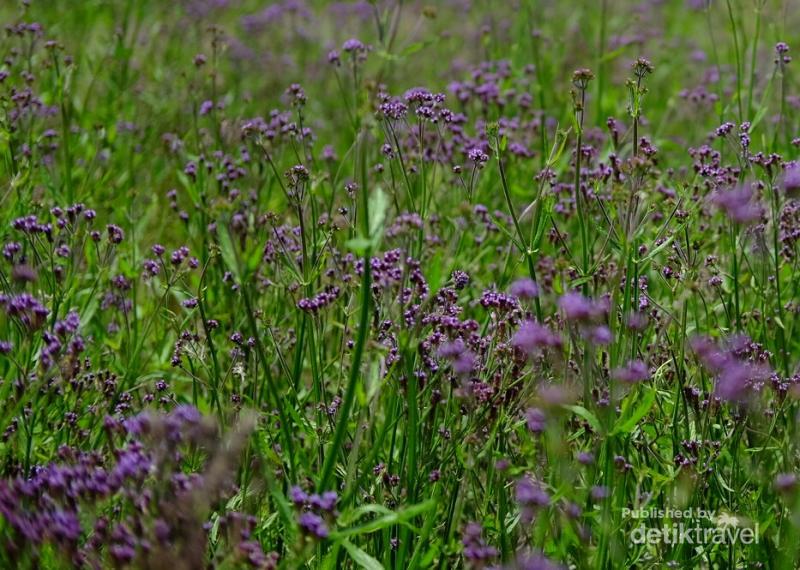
[
  {"x": 735, "y": 375},
  {"x": 531, "y": 494},
  {"x": 576, "y": 307},
  {"x": 524, "y": 288},
  {"x": 532, "y": 337},
  {"x": 533, "y": 561},
  {"x": 25, "y": 307},
  {"x": 634, "y": 371},
  {"x": 782, "y": 56},
  {"x": 352, "y": 45},
  {"x": 791, "y": 180},
  {"x": 464, "y": 363},
  {"x": 476, "y": 550},
  {"x": 325, "y": 502},
  {"x": 313, "y": 524},
  {"x": 297, "y": 496},
  {"x": 599, "y": 335},
  {"x": 785, "y": 482},
  {"x": 478, "y": 157},
  {"x": 463, "y": 359},
  {"x": 738, "y": 204},
  {"x": 536, "y": 420}
]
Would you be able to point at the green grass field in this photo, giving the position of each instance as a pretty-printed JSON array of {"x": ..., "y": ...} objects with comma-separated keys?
[{"x": 387, "y": 284}]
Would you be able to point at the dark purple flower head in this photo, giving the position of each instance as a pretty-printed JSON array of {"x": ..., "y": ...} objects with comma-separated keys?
[
  {"x": 782, "y": 56},
  {"x": 115, "y": 234},
  {"x": 460, "y": 279},
  {"x": 25, "y": 307},
  {"x": 297, "y": 496},
  {"x": 478, "y": 157},
  {"x": 325, "y": 502},
  {"x": 313, "y": 525}
]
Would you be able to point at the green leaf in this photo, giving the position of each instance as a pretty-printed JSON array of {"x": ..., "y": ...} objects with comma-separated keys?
[
  {"x": 358, "y": 245},
  {"x": 190, "y": 187},
  {"x": 629, "y": 418},
  {"x": 390, "y": 519},
  {"x": 415, "y": 47},
  {"x": 360, "y": 557},
  {"x": 587, "y": 415},
  {"x": 378, "y": 207},
  {"x": 229, "y": 253}
]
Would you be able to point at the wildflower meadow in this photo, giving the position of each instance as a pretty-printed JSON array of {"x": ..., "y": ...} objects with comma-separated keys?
[{"x": 399, "y": 284}]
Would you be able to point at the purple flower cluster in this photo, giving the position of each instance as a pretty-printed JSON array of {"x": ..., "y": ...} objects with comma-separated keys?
[
  {"x": 737, "y": 376},
  {"x": 315, "y": 512}
]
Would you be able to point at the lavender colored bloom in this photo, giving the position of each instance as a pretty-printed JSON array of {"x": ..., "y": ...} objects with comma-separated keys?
[
  {"x": 476, "y": 550},
  {"x": 535, "y": 420},
  {"x": 531, "y": 494},
  {"x": 791, "y": 180},
  {"x": 532, "y": 337},
  {"x": 352, "y": 45},
  {"x": 478, "y": 157},
  {"x": 524, "y": 288},
  {"x": 634, "y": 371},
  {"x": 786, "y": 482},
  {"x": 463, "y": 359},
  {"x": 576, "y": 307},
  {"x": 313, "y": 525},
  {"x": 736, "y": 377},
  {"x": 325, "y": 502},
  {"x": 297, "y": 496},
  {"x": 738, "y": 204},
  {"x": 533, "y": 561},
  {"x": 25, "y": 307},
  {"x": 464, "y": 363},
  {"x": 599, "y": 335}
]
